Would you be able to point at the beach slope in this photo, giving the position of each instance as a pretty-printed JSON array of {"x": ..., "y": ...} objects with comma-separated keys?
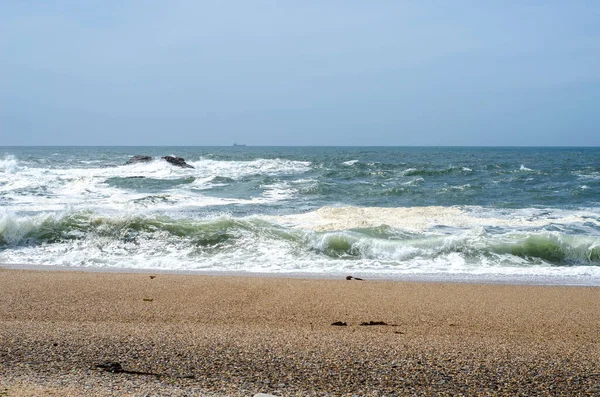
[{"x": 91, "y": 333}]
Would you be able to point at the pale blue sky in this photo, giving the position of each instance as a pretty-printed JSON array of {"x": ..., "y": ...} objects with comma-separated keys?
[{"x": 299, "y": 72}]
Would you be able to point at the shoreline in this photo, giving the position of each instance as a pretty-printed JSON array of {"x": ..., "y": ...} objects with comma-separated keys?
[
  {"x": 236, "y": 336},
  {"x": 448, "y": 278}
]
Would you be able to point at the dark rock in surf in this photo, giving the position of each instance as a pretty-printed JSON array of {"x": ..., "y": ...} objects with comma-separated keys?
[
  {"x": 140, "y": 158},
  {"x": 177, "y": 161}
]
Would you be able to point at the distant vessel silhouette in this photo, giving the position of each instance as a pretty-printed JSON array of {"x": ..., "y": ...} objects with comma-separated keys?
[{"x": 235, "y": 144}]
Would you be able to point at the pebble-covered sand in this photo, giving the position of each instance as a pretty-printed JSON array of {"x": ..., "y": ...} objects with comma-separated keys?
[{"x": 117, "y": 334}]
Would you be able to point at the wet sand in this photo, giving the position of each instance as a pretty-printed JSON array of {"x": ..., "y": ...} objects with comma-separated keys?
[{"x": 215, "y": 335}]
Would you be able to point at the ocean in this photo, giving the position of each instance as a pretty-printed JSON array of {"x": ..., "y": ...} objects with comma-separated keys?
[{"x": 516, "y": 215}]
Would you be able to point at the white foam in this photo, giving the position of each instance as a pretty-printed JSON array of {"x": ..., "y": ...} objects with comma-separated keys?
[
  {"x": 8, "y": 165},
  {"x": 593, "y": 176},
  {"x": 523, "y": 168},
  {"x": 350, "y": 162},
  {"x": 460, "y": 187},
  {"x": 343, "y": 218},
  {"x": 241, "y": 169},
  {"x": 257, "y": 250},
  {"x": 14, "y": 228},
  {"x": 421, "y": 219},
  {"x": 414, "y": 181},
  {"x": 79, "y": 188}
]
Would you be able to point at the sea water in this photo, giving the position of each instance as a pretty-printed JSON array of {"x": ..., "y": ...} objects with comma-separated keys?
[{"x": 527, "y": 215}]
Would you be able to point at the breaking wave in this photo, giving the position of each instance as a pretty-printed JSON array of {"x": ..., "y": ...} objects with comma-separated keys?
[
  {"x": 435, "y": 239},
  {"x": 8, "y": 165}
]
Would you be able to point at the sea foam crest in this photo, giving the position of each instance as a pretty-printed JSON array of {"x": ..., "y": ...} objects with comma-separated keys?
[
  {"x": 591, "y": 175},
  {"x": 241, "y": 169},
  {"x": 14, "y": 229},
  {"x": 421, "y": 219},
  {"x": 8, "y": 165},
  {"x": 523, "y": 168},
  {"x": 344, "y": 218}
]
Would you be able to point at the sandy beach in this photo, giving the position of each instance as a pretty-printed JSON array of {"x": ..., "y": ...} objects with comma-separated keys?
[{"x": 115, "y": 334}]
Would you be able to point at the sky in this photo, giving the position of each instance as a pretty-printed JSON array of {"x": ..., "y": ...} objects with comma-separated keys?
[{"x": 326, "y": 72}]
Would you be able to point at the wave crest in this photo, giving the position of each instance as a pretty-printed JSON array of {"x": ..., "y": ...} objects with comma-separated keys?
[
  {"x": 9, "y": 165},
  {"x": 228, "y": 243}
]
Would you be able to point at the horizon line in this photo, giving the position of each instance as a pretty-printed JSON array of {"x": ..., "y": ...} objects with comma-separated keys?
[{"x": 347, "y": 146}]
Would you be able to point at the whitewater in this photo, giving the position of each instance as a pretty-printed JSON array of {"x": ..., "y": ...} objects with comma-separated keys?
[{"x": 519, "y": 215}]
